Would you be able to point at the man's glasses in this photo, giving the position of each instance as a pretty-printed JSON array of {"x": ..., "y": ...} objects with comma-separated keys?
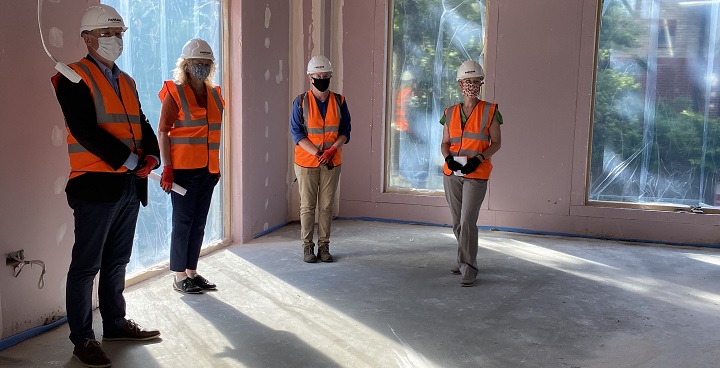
[{"x": 109, "y": 33}]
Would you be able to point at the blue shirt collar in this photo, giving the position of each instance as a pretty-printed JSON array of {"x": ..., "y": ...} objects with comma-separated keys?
[{"x": 115, "y": 72}]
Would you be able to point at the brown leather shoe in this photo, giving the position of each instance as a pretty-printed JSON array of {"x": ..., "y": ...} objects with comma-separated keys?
[
  {"x": 131, "y": 332},
  {"x": 90, "y": 354}
]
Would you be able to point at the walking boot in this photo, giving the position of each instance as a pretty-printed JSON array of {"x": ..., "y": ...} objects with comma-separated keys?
[
  {"x": 309, "y": 254},
  {"x": 324, "y": 253}
]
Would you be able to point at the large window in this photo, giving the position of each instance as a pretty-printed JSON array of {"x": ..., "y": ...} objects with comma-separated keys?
[
  {"x": 430, "y": 39},
  {"x": 157, "y": 31},
  {"x": 656, "y": 130}
]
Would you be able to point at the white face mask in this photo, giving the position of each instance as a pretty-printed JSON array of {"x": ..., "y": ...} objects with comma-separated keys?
[{"x": 110, "y": 47}]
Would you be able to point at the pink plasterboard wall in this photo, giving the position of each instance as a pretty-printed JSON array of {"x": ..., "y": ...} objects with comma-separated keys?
[
  {"x": 35, "y": 215},
  {"x": 541, "y": 75},
  {"x": 259, "y": 105}
]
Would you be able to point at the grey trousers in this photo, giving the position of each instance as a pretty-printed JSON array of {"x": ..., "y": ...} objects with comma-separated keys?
[
  {"x": 465, "y": 196},
  {"x": 317, "y": 186}
]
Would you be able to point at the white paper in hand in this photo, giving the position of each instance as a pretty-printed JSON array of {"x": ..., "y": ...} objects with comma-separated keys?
[
  {"x": 175, "y": 188},
  {"x": 462, "y": 160}
]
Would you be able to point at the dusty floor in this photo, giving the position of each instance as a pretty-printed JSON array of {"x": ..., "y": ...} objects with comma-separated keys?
[{"x": 389, "y": 300}]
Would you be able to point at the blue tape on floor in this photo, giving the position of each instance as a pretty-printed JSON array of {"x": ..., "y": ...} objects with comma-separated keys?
[{"x": 16, "y": 339}]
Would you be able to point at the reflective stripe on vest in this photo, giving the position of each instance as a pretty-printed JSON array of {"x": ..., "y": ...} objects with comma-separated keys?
[
  {"x": 118, "y": 115},
  {"x": 195, "y": 135},
  {"x": 472, "y": 139},
  {"x": 321, "y": 132}
]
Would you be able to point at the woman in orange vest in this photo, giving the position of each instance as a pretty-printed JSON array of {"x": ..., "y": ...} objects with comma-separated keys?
[
  {"x": 189, "y": 137},
  {"x": 471, "y": 135}
]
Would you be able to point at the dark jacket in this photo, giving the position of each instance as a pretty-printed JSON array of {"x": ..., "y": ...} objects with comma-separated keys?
[{"x": 77, "y": 105}]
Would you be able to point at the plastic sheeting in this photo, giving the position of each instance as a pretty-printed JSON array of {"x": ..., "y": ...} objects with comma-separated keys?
[
  {"x": 430, "y": 39},
  {"x": 656, "y": 130},
  {"x": 157, "y": 31}
]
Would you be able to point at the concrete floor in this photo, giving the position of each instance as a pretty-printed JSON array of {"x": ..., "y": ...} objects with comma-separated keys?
[{"x": 390, "y": 301}]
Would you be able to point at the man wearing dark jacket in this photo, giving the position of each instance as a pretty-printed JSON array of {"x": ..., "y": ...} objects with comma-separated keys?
[{"x": 112, "y": 149}]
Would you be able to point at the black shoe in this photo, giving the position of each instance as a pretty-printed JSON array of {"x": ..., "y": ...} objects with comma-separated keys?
[
  {"x": 203, "y": 283},
  {"x": 455, "y": 270},
  {"x": 90, "y": 354},
  {"x": 131, "y": 332},
  {"x": 187, "y": 286}
]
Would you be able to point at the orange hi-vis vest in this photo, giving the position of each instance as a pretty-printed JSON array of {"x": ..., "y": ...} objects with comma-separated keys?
[
  {"x": 474, "y": 138},
  {"x": 118, "y": 115},
  {"x": 401, "y": 122},
  {"x": 195, "y": 135},
  {"x": 321, "y": 132}
]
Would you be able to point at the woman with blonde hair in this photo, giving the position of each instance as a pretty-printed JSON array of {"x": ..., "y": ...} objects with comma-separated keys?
[{"x": 189, "y": 137}]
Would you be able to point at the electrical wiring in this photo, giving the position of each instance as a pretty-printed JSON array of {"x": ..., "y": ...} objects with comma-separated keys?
[{"x": 21, "y": 263}]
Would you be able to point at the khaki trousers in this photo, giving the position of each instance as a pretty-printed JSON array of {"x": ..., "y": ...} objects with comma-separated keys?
[
  {"x": 317, "y": 186},
  {"x": 465, "y": 196}
]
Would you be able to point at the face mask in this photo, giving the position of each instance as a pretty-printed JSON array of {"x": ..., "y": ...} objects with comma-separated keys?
[
  {"x": 321, "y": 84},
  {"x": 110, "y": 48},
  {"x": 200, "y": 71},
  {"x": 470, "y": 89}
]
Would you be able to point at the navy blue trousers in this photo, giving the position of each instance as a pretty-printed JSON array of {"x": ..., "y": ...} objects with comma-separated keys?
[
  {"x": 189, "y": 216},
  {"x": 104, "y": 234}
]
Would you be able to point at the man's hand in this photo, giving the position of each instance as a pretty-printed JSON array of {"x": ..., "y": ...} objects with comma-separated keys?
[
  {"x": 452, "y": 164},
  {"x": 167, "y": 178},
  {"x": 144, "y": 170},
  {"x": 471, "y": 165},
  {"x": 328, "y": 155}
]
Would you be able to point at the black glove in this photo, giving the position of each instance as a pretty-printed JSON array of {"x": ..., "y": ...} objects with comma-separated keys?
[
  {"x": 471, "y": 165},
  {"x": 452, "y": 164}
]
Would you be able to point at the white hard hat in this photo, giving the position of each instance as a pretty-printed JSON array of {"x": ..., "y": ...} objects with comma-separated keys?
[
  {"x": 407, "y": 76},
  {"x": 319, "y": 64},
  {"x": 197, "y": 49},
  {"x": 101, "y": 16},
  {"x": 470, "y": 69}
]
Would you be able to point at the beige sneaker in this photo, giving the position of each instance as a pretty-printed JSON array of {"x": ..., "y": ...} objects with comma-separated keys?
[{"x": 324, "y": 253}]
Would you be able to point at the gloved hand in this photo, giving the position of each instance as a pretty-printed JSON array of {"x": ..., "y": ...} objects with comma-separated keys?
[
  {"x": 471, "y": 165},
  {"x": 144, "y": 170},
  {"x": 328, "y": 155},
  {"x": 452, "y": 164},
  {"x": 167, "y": 178}
]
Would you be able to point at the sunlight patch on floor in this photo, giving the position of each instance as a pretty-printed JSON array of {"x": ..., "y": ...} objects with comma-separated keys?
[
  {"x": 279, "y": 306},
  {"x": 715, "y": 260},
  {"x": 623, "y": 278}
]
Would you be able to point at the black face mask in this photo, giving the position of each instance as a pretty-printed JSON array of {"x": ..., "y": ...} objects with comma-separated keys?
[{"x": 321, "y": 84}]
